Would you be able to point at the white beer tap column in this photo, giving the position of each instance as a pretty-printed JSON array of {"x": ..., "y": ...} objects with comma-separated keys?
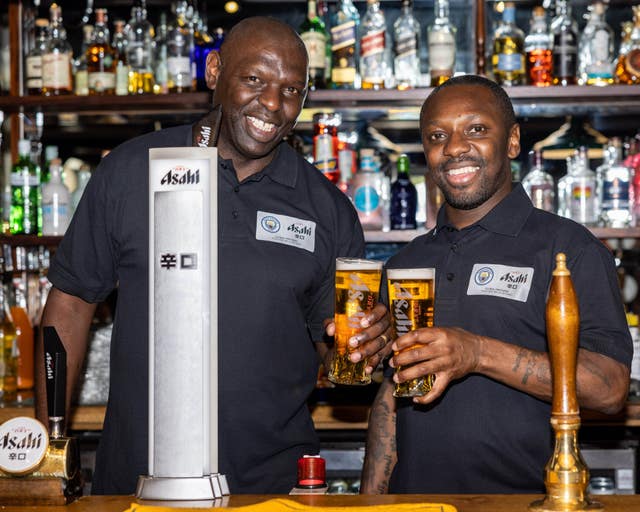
[{"x": 183, "y": 327}]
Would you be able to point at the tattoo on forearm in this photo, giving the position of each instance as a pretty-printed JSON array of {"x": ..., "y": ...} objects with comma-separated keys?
[{"x": 519, "y": 356}]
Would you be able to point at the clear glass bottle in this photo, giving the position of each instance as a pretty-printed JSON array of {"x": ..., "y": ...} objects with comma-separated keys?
[
  {"x": 441, "y": 44},
  {"x": 373, "y": 43},
  {"x": 56, "y": 201},
  {"x": 367, "y": 189},
  {"x": 325, "y": 144},
  {"x": 80, "y": 71},
  {"x": 139, "y": 33},
  {"x": 119, "y": 44},
  {"x": 628, "y": 65},
  {"x": 538, "y": 48},
  {"x": 101, "y": 58},
  {"x": 406, "y": 48},
  {"x": 314, "y": 34},
  {"x": 595, "y": 54},
  {"x": 56, "y": 59},
  {"x": 344, "y": 46},
  {"x": 539, "y": 185},
  {"x": 580, "y": 191},
  {"x": 33, "y": 60},
  {"x": 179, "y": 50},
  {"x": 25, "y": 186},
  {"x": 508, "y": 49},
  {"x": 161, "y": 70},
  {"x": 404, "y": 197},
  {"x": 615, "y": 191},
  {"x": 565, "y": 45}
]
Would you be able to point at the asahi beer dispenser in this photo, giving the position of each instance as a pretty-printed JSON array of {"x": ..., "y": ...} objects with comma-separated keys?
[{"x": 183, "y": 327}]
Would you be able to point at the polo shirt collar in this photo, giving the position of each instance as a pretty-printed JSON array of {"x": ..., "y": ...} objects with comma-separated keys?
[{"x": 506, "y": 218}]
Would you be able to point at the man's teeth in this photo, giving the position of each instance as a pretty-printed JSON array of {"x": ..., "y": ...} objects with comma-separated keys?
[
  {"x": 462, "y": 170},
  {"x": 261, "y": 125}
]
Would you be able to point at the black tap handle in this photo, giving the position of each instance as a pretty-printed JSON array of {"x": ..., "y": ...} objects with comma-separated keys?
[{"x": 55, "y": 367}]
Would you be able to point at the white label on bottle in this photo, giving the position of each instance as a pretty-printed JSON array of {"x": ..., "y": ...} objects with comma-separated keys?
[
  {"x": 316, "y": 48},
  {"x": 101, "y": 81},
  {"x": 179, "y": 69},
  {"x": 442, "y": 51},
  {"x": 500, "y": 281},
  {"x": 33, "y": 72},
  {"x": 56, "y": 71}
]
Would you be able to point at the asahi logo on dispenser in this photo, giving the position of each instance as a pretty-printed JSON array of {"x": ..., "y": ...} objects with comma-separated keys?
[
  {"x": 181, "y": 175},
  {"x": 23, "y": 445}
]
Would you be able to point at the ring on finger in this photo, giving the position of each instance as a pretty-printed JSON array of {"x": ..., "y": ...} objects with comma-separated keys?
[{"x": 384, "y": 339}]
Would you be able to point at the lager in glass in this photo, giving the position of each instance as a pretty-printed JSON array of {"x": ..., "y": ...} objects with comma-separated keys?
[
  {"x": 411, "y": 300},
  {"x": 357, "y": 288}
]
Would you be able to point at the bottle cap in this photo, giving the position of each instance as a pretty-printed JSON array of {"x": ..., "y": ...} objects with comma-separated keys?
[
  {"x": 24, "y": 147},
  {"x": 311, "y": 472}
]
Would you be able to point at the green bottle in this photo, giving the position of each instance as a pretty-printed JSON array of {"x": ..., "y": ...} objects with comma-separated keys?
[{"x": 25, "y": 188}]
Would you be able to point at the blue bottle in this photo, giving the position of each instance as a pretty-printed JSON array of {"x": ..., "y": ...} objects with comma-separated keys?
[{"x": 404, "y": 198}]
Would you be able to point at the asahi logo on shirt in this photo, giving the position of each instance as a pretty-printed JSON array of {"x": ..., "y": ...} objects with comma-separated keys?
[
  {"x": 512, "y": 282},
  {"x": 181, "y": 175}
]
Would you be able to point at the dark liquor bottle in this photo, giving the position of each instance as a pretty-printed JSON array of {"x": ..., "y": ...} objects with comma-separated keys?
[
  {"x": 101, "y": 58},
  {"x": 315, "y": 37},
  {"x": 565, "y": 45},
  {"x": 344, "y": 54},
  {"x": 33, "y": 61},
  {"x": 404, "y": 198}
]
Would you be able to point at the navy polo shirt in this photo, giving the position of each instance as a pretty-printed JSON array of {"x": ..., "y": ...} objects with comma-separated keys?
[
  {"x": 492, "y": 278},
  {"x": 279, "y": 234}
]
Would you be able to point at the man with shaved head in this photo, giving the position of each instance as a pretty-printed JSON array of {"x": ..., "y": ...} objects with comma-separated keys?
[{"x": 274, "y": 291}]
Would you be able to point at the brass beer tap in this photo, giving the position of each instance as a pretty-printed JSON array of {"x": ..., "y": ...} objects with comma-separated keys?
[{"x": 566, "y": 475}]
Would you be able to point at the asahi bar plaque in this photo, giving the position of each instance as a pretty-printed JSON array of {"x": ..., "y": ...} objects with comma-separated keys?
[{"x": 183, "y": 327}]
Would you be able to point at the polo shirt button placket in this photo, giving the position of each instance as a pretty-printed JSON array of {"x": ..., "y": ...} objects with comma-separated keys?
[{"x": 235, "y": 214}]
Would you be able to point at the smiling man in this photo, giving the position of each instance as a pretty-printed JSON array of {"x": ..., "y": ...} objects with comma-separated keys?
[
  {"x": 484, "y": 427},
  {"x": 281, "y": 225}
]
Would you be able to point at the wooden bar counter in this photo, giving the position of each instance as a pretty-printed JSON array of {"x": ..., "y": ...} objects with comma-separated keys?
[{"x": 463, "y": 503}]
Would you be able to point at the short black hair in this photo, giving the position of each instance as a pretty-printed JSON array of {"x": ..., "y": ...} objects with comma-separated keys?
[{"x": 502, "y": 98}]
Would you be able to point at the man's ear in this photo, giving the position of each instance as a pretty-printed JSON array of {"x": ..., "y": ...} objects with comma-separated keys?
[
  {"x": 212, "y": 71},
  {"x": 513, "y": 148}
]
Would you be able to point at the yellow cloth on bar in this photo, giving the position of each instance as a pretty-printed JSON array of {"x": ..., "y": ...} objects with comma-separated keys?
[{"x": 285, "y": 505}]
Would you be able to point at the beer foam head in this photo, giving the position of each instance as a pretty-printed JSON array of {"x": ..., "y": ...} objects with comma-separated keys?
[
  {"x": 411, "y": 273},
  {"x": 357, "y": 264}
]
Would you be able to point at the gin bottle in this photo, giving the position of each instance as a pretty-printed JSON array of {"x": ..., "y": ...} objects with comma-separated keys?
[
  {"x": 406, "y": 48},
  {"x": 615, "y": 187},
  {"x": 508, "y": 49},
  {"x": 595, "y": 55},
  {"x": 344, "y": 46},
  {"x": 373, "y": 41},
  {"x": 538, "y": 184},
  {"x": 315, "y": 37},
  {"x": 580, "y": 190},
  {"x": 538, "y": 44},
  {"x": 441, "y": 44},
  {"x": 565, "y": 45}
]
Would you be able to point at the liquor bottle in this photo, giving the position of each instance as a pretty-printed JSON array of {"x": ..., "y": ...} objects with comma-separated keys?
[
  {"x": 322, "y": 7},
  {"x": 80, "y": 71},
  {"x": 615, "y": 190},
  {"x": 366, "y": 187},
  {"x": 180, "y": 50},
  {"x": 218, "y": 38},
  {"x": 595, "y": 53},
  {"x": 538, "y": 44},
  {"x": 50, "y": 152},
  {"x": 406, "y": 40},
  {"x": 628, "y": 65},
  {"x": 441, "y": 44},
  {"x": 344, "y": 46},
  {"x": 538, "y": 184},
  {"x": 404, "y": 198},
  {"x": 33, "y": 60},
  {"x": 119, "y": 44},
  {"x": 55, "y": 202},
  {"x": 139, "y": 33},
  {"x": 508, "y": 49},
  {"x": 161, "y": 70},
  {"x": 101, "y": 58},
  {"x": 373, "y": 43},
  {"x": 56, "y": 59},
  {"x": 314, "y": 34},
  {"x": 25, "y": 184},
  {"x": 204, "y": 42},
  {"x": 579, "y": 187},
  {"x": 325, "y": 144},
  {"x": 565, "y": 45},
  {"x": 8, "y": 347}
]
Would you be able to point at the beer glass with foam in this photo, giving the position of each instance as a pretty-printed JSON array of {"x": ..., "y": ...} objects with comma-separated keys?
[
  {"x": 411, "y": 301},
  {"x": 357, "y": 288}
]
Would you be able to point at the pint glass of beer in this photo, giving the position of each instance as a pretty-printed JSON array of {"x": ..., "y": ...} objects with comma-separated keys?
[
  {"x": 411, "y": 300},
  {"x": 357, "y": 288}
]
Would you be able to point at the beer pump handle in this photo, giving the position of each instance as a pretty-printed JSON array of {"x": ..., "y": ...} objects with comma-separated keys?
[
  {"x": 55, "y": 366},
  {"x": 563, "y": 325}
]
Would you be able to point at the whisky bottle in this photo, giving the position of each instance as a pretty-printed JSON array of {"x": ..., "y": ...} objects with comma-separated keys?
[
  {"x": 406, "y": 48},
  {"x": 119, "y": 44},
  {"x": 314, "y": 34},
  {"x": 565, "y": 45},
  {"x": 539, "y": 185},
  {"x": 33, "y": 60},
  {"x": 628, "y": 65},
  {"x": 595, "y": 52},
  {"x": 56, "y": 59},
  {"x": 101, "y": 58},
  {"x": 441, "y": 44},
  {"x": 538, "y": 44},
  {"x": 344, "y": 46},
  {"x": 180, "y": 50},
  {"x": 508, "y": 49},
  {"x": 139, "y": 33},
  {"x": 373, "y": 41},
  {"x": 25, "y": 185}
]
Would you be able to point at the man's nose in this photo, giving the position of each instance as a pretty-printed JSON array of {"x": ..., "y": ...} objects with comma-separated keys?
[
  {"x": 456, "y": 145},
  {"x": 270, "y": 98}
]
